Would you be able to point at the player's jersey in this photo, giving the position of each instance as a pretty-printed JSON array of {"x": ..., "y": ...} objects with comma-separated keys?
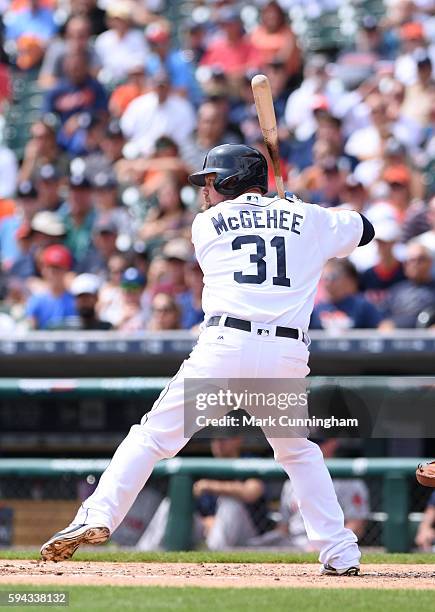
[{"x": 262, "y": 257}]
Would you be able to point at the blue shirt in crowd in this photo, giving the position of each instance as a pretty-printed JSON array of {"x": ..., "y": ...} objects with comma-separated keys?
[
  {"x": 353, "y": 312},
  {"x": 50, "y": 311}
]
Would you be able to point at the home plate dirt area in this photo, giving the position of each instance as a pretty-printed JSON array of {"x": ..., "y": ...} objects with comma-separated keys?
[{"x": 95, "y": 573}]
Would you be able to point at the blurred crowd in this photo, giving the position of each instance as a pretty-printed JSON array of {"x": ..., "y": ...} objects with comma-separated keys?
[{"x": 96, "y": 209}]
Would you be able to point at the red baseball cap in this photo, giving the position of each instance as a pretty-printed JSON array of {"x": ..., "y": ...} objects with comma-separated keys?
[
  {"x": 397, "y": 174},
  {"x": 413, "y": 30},
  {"x": 57, "y": 255}
]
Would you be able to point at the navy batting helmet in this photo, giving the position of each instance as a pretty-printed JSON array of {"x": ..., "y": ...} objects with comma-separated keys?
[{"x": 238, "y": 168}]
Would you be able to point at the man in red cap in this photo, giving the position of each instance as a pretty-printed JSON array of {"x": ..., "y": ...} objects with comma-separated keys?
[{"x": 53, "y": 307}]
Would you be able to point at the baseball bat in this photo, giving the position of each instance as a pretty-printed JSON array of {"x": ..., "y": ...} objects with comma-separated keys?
[{"x": 267, "y": 120}]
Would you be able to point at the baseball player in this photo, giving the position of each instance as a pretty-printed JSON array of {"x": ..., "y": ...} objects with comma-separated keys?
[{"x": 262, "y": 258}]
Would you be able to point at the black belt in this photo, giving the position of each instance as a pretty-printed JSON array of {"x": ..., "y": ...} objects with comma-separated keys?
[{"x": 282, "y": 332}]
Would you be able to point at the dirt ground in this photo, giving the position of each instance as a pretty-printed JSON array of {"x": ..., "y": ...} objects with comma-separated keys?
[{"x": 212, "y": 575}]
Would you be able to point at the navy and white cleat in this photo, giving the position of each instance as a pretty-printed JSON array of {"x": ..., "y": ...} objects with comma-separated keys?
[
  {"x": 328, "y": 570},
  {"x": 64, "y": 543}
]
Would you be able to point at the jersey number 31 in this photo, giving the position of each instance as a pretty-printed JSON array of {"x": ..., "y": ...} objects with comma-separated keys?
[{"x": 278, "y": 243}]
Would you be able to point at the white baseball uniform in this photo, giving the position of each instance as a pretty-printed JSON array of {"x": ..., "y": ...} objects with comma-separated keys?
[{"x": 262, "y": 259}]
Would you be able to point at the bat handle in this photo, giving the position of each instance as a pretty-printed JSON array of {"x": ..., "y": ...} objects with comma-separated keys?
[{"x": 280, "y": 186}]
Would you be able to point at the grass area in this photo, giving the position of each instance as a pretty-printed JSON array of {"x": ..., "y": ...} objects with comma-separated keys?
[
  {"x": 191, "y": 599},
  {"x": 123, "y": 556}
]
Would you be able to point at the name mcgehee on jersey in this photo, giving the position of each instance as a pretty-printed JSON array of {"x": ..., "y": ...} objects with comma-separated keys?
[{"x": 261, "y": 219}]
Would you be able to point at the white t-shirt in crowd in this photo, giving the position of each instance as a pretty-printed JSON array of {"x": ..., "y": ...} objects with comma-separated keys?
[
  {"x": 115, "y": 54},
  {"x": 145, "y": 120},
  {"x": 262, "y": 257}
]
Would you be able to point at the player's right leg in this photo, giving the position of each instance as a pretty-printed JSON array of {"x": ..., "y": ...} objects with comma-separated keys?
[{"x": 160, "y": 435}]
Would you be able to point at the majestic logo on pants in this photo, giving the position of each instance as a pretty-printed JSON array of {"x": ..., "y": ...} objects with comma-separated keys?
[{"x": 262, "y": 332}]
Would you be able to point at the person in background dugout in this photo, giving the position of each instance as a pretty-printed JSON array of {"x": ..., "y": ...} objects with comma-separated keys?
[
  {"x": 425, "y": 538},
  {"x": 228, "y": 512},
  {"x": 55, "y": 307},
  {"x": 85, "y": 288},
  {"x": 352, "y": 495},
  {"x": 343, "y": 307},
  {"x": 413, "y": 295}
]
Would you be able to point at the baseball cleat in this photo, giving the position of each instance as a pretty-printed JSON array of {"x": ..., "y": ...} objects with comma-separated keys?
[
  {"x": 328, "y": 570},
  {"x": 64, "y": 543}
]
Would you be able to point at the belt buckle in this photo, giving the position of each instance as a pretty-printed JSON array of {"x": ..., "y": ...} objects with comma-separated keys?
[{"x": 263, "y": 329}]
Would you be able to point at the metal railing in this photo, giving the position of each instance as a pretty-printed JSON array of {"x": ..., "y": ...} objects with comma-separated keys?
[{"x": 182, "y": 472}]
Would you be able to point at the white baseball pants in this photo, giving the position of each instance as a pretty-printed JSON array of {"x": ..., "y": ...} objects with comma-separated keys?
[{"x": 223, "y": 352}]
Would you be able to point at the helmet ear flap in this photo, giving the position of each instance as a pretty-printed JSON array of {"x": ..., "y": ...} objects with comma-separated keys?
[{"x": 228, "y": 185}]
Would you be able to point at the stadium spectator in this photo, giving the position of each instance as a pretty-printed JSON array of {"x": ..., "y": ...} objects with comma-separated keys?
[
  {"x": 160, "y": 112},
  {"x": 116, "y": 46},
  {"x": 26, "y": 206},
  {"x": 78, "y": 215},
  {"x": 13, "y": 304},
  {"x": 376, "y": 281},
  {"x": 419, "y": 95},
  {"x": 212, "y": 129},
  {"x": 190, "y": 301},
  {"x": 85, "y": 289},
  {"x": 175, "y": 62},
  {"x": 77, "y": 37},
  {"x": 132, "y": 316},
  {"x": 413, "y": 295},
  {"x": 47, "y": 182},
  {"x": 275, "y": 40},
  {"x": 194, "y": 35},
  {"x": 355, "y": 196},
  {"x": 425, "y": 537},
  {"x": 412, "y": 38},
  {"x": 91, "y": 10},
  {"x": 343, "y": 307},
  {"x": 42, "y": 149},
  {"x": 8, "y": 172},
  {"x": 228, "y": 512},
  {"x": 152, "y": 172},
  {"x": 107, "y": 205},
  {"x": 299, "y": 110},
  {"x": 427, "y": 239},
  {"x": 103, "y": 246},
  {"x": 398, "y": 179},
  {"x": 135, "y": 85},
  {"x": 111, "y": 147},
  {"x": 165, "y": 313},
  {"x": 169, "y": 219},
  {"x": 109, "y": 306},
  {"x": 44, "y": 229},
  {"x": 367, "y": 142},
  {"x": 74, "y": 95},
  {"x": 176, "y": 254},
  {"x": 32, "y": 18},
  {"x": 54, "y": 307},
  {"x": 331, "y": 182},
  {"x": 232, "y": 51}
]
